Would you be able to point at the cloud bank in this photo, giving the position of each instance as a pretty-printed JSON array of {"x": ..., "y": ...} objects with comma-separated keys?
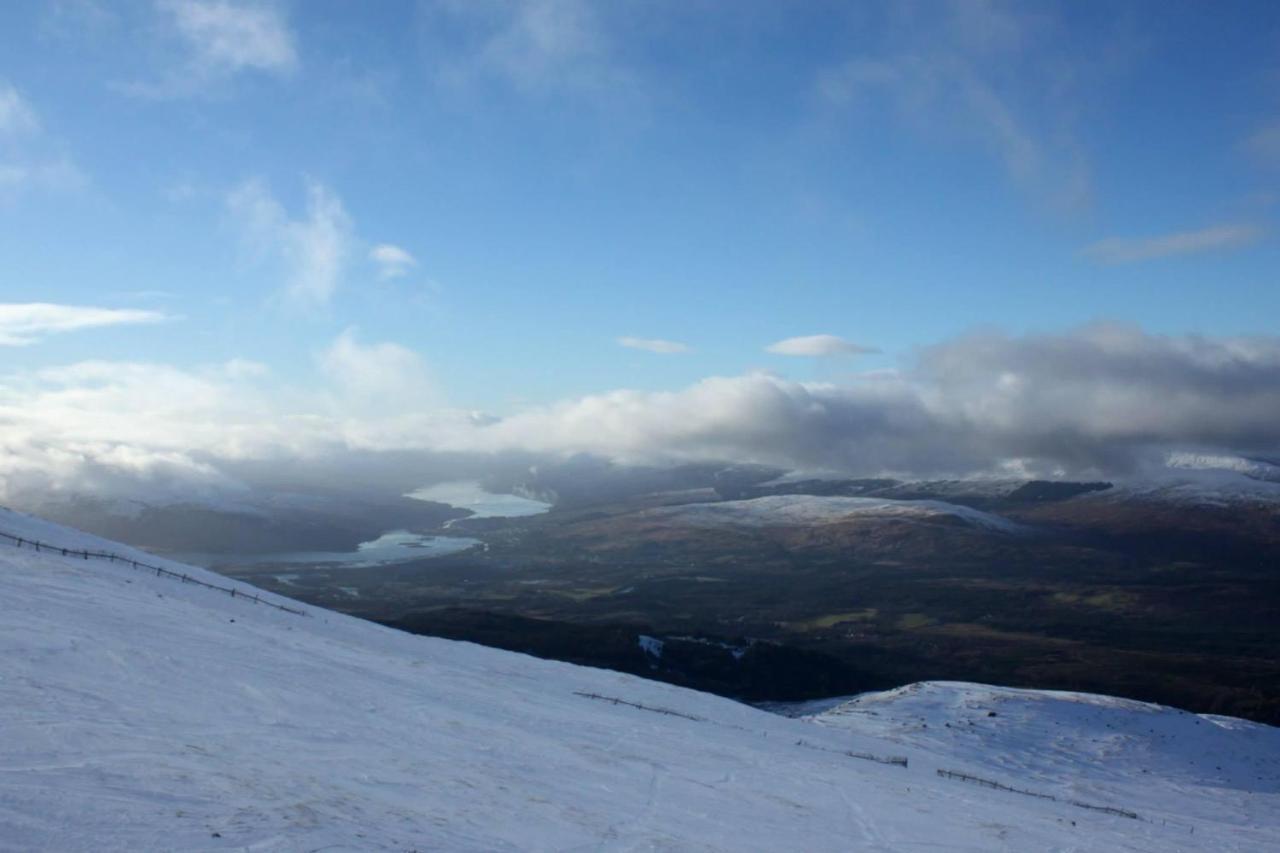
[{"x": 1096, "y": 401}]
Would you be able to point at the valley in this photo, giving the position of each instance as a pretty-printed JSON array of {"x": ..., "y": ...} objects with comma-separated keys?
[{"x": 1072, "y": 591}]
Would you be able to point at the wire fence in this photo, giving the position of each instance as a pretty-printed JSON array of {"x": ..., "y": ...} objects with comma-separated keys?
[
  {"x": 987, "y": 783},
  {"x": 897, "y": 760},
  {"x": 49, "y": 548},
  {"x": 616, "y": 701}
]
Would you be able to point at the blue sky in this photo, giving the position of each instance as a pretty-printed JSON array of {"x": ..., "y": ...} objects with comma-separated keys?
[{"x": 547, "y": 177}]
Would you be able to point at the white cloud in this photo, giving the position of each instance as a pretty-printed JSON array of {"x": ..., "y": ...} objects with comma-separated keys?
[
  {"x": 208, "y": 42},
  {"x": 1120, "y": 250},
  {"x": 657, "y": 345},
  {"x": 312, "y": 250},
  {"x": 231, "y": 37},
  {"x": 26, "y": 323},
  {"x": 385, "y": 376},
  {"x": 818, "y": 345},
  {"x": 392, "y": 261}
]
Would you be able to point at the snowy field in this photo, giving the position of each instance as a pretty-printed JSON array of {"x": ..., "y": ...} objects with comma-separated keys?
[{"x": 140, "y": 713}]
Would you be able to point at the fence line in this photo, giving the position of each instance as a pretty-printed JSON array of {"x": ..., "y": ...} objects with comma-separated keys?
[
  {"x": 897, "y": 760},
  {"x": 85, "y": 554},
  {"x": 977, "y": 780},
  {"x": 615, "y": 700}
]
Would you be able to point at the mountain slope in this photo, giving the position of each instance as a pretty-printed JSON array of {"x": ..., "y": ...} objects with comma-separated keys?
[{"x": 140, "y": 713}]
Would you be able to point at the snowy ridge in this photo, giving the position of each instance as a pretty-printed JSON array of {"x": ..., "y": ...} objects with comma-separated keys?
[
  {"x": 1207, "y": 487},
  {"x": 780, "y": 510},
  {"x": 137, "y": 713},
  {"x": 1258, "y": 469}
]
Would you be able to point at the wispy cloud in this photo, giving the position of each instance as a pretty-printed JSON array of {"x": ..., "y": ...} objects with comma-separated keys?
[
  {"x": 1124, "y": 250},
  {"x": 29, "y": 158},
  {"x": 983, "y": 73},
  {"x": 1264, "y": 144},
  {"x": 818, "y": 345},
  {"x": 657, "y": 345},
  {"x": 536, "y": 47},
  {"x": 26, "y": 323},
  {"x": 219, "y": 39},
  {"x": 392, "y": 261},
  {"x": 311, "y": 250},
  {"x": 234, "y": 36},
  {"x": 16, "y": 116}
]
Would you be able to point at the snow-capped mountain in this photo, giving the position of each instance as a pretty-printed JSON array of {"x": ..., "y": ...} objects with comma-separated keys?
[{"x": 142, "y": 712}]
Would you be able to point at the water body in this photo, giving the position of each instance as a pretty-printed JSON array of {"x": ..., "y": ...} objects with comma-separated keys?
[
  {"x": 396, "y": 546},
  {"x": 468, "y": 494}
]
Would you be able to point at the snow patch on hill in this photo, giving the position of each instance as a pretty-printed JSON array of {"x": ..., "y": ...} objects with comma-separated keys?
[
  {"x": 801, "y": 510},
  {"x": 1193, "y": 488},
  {"x": 141, "y": 713}
]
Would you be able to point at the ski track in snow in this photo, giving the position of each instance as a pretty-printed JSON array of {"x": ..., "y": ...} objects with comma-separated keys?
[{"x": 140, "y": 713}]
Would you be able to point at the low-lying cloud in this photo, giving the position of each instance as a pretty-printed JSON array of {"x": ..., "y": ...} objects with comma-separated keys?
[{"x": 1096, "y": 401}]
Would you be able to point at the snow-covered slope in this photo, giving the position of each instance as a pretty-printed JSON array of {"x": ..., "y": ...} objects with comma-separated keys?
[
  {"x": 1083, "y": 747},
  {"x": 799, "y": 510},
  {"x": 141, "y": 713}
]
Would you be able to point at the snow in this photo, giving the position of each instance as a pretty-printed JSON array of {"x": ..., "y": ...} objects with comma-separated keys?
[
  {"x": 1258, "y": 469},
  {"x": 651, "y": 645},
  {"x": 1172, "y": 767},
  {"x": 1206, "y": 487},
  {"x": 141, "y": 713},
  {"x": 792, "y": 510}
]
